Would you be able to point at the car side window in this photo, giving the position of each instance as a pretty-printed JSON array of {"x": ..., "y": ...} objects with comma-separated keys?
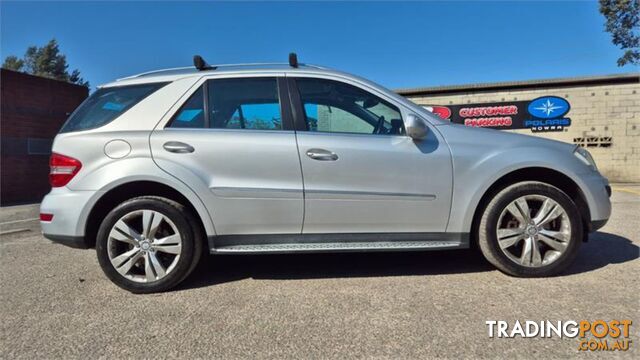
[
  {"x": 245, "y": 103},
  {"x": 191, "y": 115},
  {"x": 106, "y": 104},
  {"x": 332, "y": 106}
]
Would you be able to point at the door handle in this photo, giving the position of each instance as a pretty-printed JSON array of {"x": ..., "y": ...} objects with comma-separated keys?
[
  {"x": 322, "y": 155},
  {"x": 178, "y": 147}
]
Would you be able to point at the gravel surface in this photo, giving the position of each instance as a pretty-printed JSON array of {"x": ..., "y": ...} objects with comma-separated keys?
[{"x": 55, "y": 302}]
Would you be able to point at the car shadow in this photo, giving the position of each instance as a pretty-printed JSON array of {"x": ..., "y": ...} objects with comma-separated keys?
[{"x": 601, "y": 250}]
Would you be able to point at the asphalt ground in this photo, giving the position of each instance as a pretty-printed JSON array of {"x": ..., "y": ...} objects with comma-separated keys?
[{"x": 56, "y": 303}]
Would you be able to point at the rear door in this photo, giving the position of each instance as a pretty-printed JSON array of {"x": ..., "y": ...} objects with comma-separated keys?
[
  {"x": 232, "y": 141},
  {"x": 362, "y": 173}
]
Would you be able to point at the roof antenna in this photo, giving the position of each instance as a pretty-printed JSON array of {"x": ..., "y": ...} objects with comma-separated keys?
[
  {"x": 293, "y": 60},
  {"x": 200, "y": 64}
]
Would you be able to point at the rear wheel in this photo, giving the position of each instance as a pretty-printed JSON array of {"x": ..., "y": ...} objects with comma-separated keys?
[
  {"x": 530, "y": 229},
  {"x": 148, "y": 244}
]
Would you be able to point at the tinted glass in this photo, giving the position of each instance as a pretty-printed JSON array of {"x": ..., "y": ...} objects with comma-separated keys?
[
  {"x": 332, "y": 106},
  {"x": 244, "y": 104},
  {"x": 107, "y": 104},
  {"x": 191, "y": 115}
]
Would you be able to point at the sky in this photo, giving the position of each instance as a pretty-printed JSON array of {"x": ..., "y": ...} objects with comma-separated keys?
[{"x": 397, "y": 44}]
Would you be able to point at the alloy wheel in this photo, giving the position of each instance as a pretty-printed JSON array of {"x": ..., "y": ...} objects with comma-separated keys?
[
  {"x": 144, "y": 246},
  {"x": 534, "y": 230}
]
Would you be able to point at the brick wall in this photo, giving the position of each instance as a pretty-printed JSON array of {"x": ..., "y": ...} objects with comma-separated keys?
[
  {"x": 598, "y": 111},
  {"x": 32, "y": 111}
]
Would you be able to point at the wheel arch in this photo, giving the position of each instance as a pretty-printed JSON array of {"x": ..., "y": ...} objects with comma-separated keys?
[
  {"x": 537, "y": 173},
  {"x": 122, "y": 192}
]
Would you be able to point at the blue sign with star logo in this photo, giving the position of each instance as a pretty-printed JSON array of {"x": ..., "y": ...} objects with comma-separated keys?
[
  {"x": 548, "y": 114},
  {"x": 548, "y": 107}
]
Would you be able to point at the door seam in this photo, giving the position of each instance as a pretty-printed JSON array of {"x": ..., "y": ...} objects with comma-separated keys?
[
  {"x": 295, "y": 119},
  {"x": 304, "y": 193}
]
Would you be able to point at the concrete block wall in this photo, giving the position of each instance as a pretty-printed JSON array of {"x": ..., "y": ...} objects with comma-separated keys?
[{"x": 603, "y": 111}]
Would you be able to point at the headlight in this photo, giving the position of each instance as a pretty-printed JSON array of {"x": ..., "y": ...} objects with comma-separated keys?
[{"x": 584, "y": 156}]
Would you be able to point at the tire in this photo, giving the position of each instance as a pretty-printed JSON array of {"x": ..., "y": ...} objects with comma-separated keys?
[
  {"x": 552, "y": 260},
  {"x": 154, "y": 264}
]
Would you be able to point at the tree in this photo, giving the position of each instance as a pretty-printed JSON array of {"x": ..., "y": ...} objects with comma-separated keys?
[
  {"x": 623, "y": 22},
  {"x": 13, "y": 63},
  {"x": 45, "y": 61}
]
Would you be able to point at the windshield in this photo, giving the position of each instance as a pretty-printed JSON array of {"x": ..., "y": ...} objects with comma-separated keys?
[{"x": 107, "y": 104}]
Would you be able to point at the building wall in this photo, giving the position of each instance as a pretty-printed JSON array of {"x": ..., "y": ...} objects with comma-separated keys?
[
  {"x": 604, "y": 118},
  {"x": 32, "y": 111}
]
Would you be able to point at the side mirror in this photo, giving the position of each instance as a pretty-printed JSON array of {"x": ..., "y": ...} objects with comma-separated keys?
[{"x": 416, "y": 127}]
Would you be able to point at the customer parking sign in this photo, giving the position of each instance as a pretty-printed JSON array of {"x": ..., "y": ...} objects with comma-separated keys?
[{"x": 543, "y": 114}]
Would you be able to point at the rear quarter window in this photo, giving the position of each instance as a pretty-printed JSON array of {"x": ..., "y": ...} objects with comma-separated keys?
[{"x": 107, "y": 104}]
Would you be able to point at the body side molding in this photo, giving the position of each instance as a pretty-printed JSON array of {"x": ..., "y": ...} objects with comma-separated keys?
[{"x": 281, "y": 243}]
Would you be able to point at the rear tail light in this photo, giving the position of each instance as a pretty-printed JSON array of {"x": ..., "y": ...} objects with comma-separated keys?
[
  {"x": 46, "y": 217},
  {"x": 62, "y": 169}
]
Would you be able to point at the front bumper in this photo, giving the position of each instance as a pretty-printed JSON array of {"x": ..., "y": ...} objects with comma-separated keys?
[
  {"x": 70, "y": 211},
  {"x": 597, "y": 192},
  {"x": 596, "y": 225}
]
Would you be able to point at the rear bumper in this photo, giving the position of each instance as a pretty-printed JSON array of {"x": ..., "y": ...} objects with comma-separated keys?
[
  {"x": 77, "y": 242},
  {"x": 70, "y": 211}
]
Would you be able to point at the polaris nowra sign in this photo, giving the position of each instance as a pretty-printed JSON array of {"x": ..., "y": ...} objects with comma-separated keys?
[
  {"x": 548, "y": 107},
  {"x": 548, "y": 112},
  {"x": 540, "y": 115}
]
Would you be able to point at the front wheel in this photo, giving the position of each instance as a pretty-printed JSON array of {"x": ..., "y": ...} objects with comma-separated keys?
[
  {"x": 530, "y": 229},
  {"x": 148, "y": 244}
]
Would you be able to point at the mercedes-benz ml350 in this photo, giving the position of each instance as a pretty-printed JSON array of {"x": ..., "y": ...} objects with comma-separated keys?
[{"x": 156, "y": 169}]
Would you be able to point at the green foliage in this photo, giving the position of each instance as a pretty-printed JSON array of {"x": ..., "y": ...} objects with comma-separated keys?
[
  {"x": 263, "y": 124},
  {"x": 45, "y": 61},
  {"x": 623, "y": 22},
  {"x": 13, "y": 63},
  {"x": 255, "y": 122}
]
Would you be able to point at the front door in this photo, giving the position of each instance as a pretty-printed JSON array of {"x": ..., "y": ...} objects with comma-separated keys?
[
  {"x": 361, "y": 173},
  {"x": 232, "y": 142}
]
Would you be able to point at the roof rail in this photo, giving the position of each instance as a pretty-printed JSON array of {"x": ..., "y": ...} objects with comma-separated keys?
[
  {"x": 249, "y": 64},
  {"x": 265, "y": 64},
  {"x": 154, "y": 72},
  {"x": 293, "y": 62},
  {"x": 200, "y": 64},
  {"x": 314, "y": 66}
]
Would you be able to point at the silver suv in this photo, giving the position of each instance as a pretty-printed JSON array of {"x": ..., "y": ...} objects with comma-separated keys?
[{"x": 155, "y": 169}]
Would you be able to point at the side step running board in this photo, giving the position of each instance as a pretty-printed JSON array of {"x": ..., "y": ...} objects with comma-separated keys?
[{"x": 339, "y": 247}]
